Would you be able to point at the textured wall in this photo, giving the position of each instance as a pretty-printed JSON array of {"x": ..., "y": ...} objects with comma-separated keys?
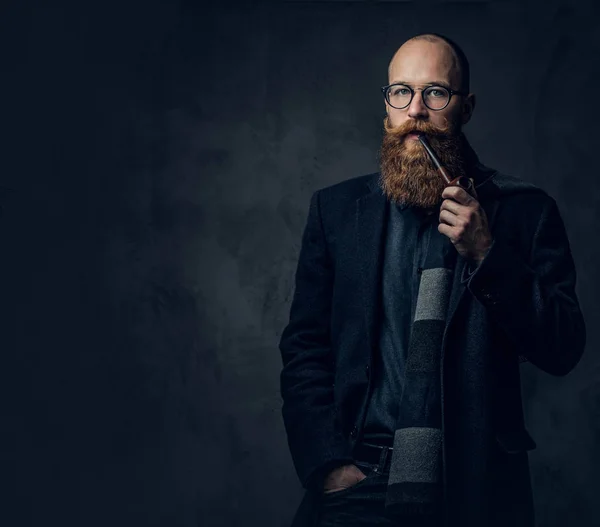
[{"x": 162, "y": 156}]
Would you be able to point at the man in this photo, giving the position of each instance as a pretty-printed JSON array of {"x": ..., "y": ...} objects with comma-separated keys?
[{"x": 415, "y": 303}]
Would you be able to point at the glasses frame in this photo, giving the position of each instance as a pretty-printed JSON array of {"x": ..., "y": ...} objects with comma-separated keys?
[{"x": 385, "y": 92}]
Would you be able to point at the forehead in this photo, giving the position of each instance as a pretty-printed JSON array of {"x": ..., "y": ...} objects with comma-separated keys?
[{"x": 420, "y": 61}]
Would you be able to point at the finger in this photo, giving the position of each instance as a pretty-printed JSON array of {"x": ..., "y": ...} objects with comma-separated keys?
[
  {"x": 458, "y": 194},
  {"x": 464, "y": 213},
  {"x": 453, "y": 207},
  {"x": 449, "y": 218},
  {"x": 448, "y": 231}
]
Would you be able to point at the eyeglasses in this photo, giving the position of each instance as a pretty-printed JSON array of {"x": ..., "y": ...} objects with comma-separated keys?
[{"x": 434, "y": 97}]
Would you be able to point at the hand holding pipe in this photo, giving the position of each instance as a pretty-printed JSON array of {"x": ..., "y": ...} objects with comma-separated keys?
[{"x": 460, "y": 181}]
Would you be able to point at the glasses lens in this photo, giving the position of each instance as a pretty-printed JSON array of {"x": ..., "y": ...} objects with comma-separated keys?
[
  {"x": 399, "y": 95},
  {"x": 436, "y": 97}
]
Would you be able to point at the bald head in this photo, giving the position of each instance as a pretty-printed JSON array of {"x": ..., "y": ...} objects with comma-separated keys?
[{"x": 450, "y": 53}]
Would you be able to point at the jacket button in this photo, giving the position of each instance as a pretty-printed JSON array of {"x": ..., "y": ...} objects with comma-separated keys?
[
  {"x": 354, "y": 432},
  {"x": 367, "y": 371}
]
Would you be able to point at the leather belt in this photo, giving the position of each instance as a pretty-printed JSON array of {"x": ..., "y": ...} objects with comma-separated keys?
[{"x": 371, "y": 453}]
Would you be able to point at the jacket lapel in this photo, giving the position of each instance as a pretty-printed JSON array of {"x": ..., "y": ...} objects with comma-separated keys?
[{"x": 371, "y": 218}]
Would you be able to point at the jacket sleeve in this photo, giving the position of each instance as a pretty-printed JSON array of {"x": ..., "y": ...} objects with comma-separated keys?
[
  {"x": 532, "y": 297},
  {"x": 316, "y": 444}
]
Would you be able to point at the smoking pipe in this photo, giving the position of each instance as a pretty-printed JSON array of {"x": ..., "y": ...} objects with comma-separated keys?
[{"x": 460, "y": 181}]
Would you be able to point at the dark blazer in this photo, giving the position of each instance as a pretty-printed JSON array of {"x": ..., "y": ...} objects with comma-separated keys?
[{"x": 519, "y": 305}]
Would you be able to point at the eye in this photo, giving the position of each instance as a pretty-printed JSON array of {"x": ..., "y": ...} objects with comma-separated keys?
[
  {"x": 438, "y": 92},
  {"x": 400, "y": 90}
]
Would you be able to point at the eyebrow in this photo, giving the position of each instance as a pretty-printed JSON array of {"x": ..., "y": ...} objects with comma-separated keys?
[{"x": 433, "y": 83}]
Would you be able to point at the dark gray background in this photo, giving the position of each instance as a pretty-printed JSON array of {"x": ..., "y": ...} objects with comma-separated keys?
[{"x": 161, "y": 156}]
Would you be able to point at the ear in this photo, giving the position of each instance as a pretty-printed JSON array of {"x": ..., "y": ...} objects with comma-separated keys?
[{"x": 468, "y": 107}]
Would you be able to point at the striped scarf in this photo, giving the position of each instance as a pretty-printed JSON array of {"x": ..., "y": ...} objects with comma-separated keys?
[{"x": 415, "y": 486}]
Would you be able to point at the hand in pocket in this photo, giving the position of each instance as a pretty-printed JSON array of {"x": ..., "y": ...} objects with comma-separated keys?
[{"x": 341, "y": 478}]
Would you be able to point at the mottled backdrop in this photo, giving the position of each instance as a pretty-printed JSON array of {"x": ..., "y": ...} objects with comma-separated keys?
[{"x": 161, "y": 156}]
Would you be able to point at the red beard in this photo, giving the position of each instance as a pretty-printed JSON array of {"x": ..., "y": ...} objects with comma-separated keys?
[{"x": 407, "y": 174}]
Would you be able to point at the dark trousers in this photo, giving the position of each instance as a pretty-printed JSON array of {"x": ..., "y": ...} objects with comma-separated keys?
[{"x": 363, "y": 504}]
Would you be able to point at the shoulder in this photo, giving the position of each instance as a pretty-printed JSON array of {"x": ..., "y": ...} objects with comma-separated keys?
[
  {"x": 515, "y": 194},
  {"x": 337, "y": 203},
  {"x": 521, "y": 209},
  {"x": 350, "y": 189}
]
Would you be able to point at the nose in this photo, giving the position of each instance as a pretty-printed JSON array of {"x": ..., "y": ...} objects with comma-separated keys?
[{"x": 417, "y": 108}]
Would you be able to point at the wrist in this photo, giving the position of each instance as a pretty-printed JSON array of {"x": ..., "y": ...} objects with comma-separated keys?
[{"x": 481, "y": 256}]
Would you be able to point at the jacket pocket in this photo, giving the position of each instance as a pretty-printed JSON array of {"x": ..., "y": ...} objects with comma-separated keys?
[{"x": 515, "y": 441}]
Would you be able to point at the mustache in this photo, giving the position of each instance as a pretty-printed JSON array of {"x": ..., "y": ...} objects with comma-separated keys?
[{"x": 412, "y": 126}]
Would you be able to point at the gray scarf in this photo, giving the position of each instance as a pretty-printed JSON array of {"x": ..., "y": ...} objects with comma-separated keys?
[{"x": 415, "y": 485}]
